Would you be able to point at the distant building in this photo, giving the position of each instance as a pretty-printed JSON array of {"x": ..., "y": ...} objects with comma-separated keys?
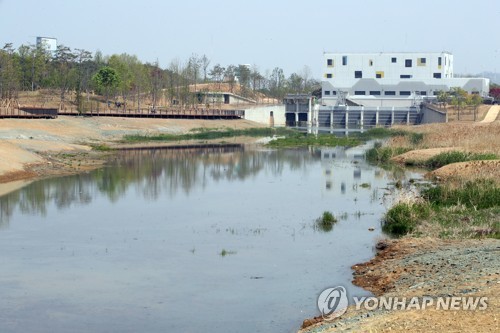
[
  {"x": 391, "y": 79},
  {"x": 50, "y": 44}
]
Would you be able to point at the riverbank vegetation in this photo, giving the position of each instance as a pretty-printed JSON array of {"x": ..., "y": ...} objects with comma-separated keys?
[
  {"x": 467, "y": 210},
  {"x": 466, "y": 203},
  {"x": 211, "y": 134},
  {"x": 326, "y": 222}
]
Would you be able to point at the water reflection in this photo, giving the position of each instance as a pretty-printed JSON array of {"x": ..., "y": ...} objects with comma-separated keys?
[
  {"x": 151, "y": 172},
  {"x": 154, "y": 171}
]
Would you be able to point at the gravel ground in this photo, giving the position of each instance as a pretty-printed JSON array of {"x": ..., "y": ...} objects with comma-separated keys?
[{"x": 427, "y": 268}]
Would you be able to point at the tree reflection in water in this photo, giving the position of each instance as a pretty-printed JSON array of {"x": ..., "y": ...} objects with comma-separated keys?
[{"x": 150, "y": 172}]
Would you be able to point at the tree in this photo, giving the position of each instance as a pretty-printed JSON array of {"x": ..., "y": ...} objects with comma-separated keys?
[
  {"x": 64, "y": 69},
  {"x": 442, "y": 97},
  {"x": 230, "y": 76},
  {"x": 495, "y": 91},
  {"x": 277, "y": 83},
  {"x": 217, "y": 74},
  {"x": 458, "y": 98},
  {"x": 83, "y": 68},
  {"x": 205, "y": 62},
  {"x": 295, "y": 83},
  {"x": 106, "y": 79},
  {"x": 9, "y": 72},
  {"x": 243, "y": 74}
]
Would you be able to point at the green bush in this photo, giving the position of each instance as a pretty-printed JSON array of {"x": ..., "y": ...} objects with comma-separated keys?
[
  {"x": 402, "y": 218},
  {"x": 379, "y": 154},
  {"x": 326, "y": 221}
]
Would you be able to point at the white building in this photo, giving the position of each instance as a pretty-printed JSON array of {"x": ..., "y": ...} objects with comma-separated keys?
[
  {"x": 391, "y": 79},
  {"x": 49, "y": 43}
]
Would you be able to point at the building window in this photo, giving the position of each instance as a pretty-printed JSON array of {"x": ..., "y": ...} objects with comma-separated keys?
[
  {"x": 359, "y": 92},
  {"x": 334, "y": 92},
  {"x": 358, "y": 74},
  {"x": 390, "y": 93},
  {"x": 375, "y": 93},
  {"x": 440, "y": 61},
  {"x": 329, "y": 62},
  {"x": 379, "y": 75},
  {"x": 344, "y": 60},
  {"x": 394, "y": 60},
  {"x": 405, "y": 76},
  {"x": 404, "y": 93},
  {"x": 437, "y": 75},
  {"x": 423, "y": 93},
  {"x": 408, "y": 63},
  {"x": 370, "y": 62},
  {"x": 329, "y": 75},
  {"x": 421, "y": 61},
  {"x": 327, "y": 92}
]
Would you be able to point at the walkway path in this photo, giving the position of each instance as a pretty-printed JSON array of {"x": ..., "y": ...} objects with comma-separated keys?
[{"x": 492, "y": 114}]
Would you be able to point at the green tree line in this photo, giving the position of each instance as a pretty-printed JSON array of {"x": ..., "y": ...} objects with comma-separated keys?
[{"x": 124, "y": 77}]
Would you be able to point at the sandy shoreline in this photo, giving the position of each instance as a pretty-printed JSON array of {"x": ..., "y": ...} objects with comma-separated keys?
[{"x": 37, "y": 147}]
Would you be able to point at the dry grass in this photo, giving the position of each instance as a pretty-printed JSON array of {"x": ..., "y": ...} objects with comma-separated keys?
[{"x": 471, "y": 137}]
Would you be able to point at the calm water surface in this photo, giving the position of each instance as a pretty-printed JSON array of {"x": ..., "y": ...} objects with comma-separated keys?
[{"x": 138, "y": 246}]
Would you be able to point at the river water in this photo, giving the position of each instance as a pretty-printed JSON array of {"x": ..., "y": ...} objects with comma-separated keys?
[{"x": 217, "y": 239}]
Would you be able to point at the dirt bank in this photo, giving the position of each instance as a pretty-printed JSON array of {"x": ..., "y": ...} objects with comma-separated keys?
[
  {"x": 431, "y": 268},
  {"x": 38, "y": 147}
]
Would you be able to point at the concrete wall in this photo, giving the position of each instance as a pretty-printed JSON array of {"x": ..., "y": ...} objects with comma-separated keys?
[
  {"x": 261, "y": 114},
  {"x": 432, "y": 116}
]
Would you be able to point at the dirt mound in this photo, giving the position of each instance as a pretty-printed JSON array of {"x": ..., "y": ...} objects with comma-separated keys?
[
  {"x": 421, "y": 155},
  {"x": 468, "y": 170}
]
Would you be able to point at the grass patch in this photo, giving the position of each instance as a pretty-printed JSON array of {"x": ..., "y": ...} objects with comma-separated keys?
[
  {"x": 403, "y": 217},
  {"x": 382, "y": 133},
  {"x": 326, "y": 221},
  {"x": 379, "y": 154},
  {"x": 210, "y": 134},
  {"x": 455, "y": 157},
  {"x": 225, "y": 252},
  {"x": 469, "y": 210},
  {"x": 479, "y": 194},
  {"x": 101, "y": 147},
  {"x": 306, "y": 140}
]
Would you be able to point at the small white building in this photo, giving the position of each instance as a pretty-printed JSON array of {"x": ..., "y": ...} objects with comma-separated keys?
[
  {"x": 49, "y": 43},
  {"x": 391, "y": 79}
]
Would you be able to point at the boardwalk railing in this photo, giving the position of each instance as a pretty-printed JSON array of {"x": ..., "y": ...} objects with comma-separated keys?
[
  {"x": 158, "y": 113},
  {"x": 192, "y": 113},
  {"x": 28, "y": 112}
]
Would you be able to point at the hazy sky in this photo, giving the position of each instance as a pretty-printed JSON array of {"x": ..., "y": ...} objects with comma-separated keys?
[{"x": 288, "y": 34}]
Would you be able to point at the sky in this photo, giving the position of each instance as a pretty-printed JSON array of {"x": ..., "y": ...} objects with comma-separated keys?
[{"x": 288, "y": 34}]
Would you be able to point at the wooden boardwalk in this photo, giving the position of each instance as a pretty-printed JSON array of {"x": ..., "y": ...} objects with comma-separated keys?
[
  {"x": 194, "y": 113},
  {"x": 28, "y": 113}
]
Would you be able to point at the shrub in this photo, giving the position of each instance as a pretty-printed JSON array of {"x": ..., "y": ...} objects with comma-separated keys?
[
  {"x": 402, "y": 218},
  {"x": 326, "y": 221}
]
